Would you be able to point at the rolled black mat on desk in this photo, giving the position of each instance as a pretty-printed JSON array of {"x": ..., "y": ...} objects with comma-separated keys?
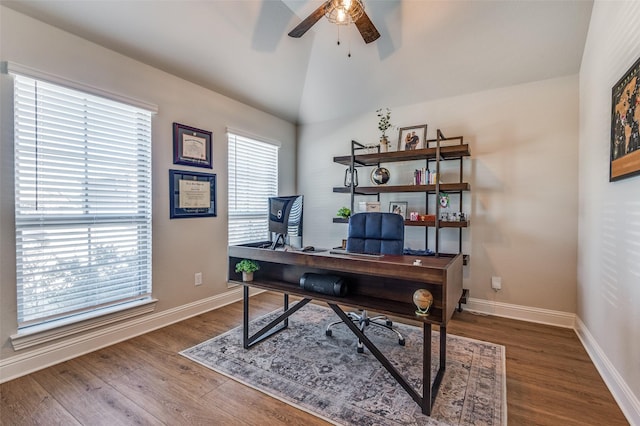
[{"x": 331, "y": 285}]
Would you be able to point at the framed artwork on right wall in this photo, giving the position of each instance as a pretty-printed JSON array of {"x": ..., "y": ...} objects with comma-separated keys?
[{"x": 625, "y": 116}]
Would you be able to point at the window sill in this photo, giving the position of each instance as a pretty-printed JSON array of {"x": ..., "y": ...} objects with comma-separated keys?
[{"x": 60, "y": 329}]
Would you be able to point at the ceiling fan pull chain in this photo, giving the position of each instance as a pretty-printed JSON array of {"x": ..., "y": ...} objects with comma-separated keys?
[{"x": 338, "y": 34}]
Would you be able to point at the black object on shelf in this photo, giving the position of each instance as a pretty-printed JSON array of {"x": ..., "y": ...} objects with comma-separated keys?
[{"x": 331, "y": 285}]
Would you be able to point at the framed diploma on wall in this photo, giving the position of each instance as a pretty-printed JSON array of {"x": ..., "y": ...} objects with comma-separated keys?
[
  {"x": 191, "y": 146},
  {"x": 192, "y": 194}
]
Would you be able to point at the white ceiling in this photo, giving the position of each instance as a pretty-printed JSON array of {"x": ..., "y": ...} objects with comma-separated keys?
[{"x": 428, "y": 49}]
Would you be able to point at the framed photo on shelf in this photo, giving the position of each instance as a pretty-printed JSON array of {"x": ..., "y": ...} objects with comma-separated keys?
[
  {"x": 399, "y": 207},
  {"x": 191, "y": 146},
  {"x": 625, "y": 119},
  {"x": 411, "y": 138},
  {"x": 191, "y": 194}
]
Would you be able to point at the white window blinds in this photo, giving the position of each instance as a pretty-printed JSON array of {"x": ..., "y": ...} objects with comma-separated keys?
[
  {"x": 253, "y": 178},
  {"x": 82, "y": 201}
]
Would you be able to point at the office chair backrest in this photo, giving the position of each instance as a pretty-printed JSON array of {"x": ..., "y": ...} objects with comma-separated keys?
[{"x": 376, "y": 233}]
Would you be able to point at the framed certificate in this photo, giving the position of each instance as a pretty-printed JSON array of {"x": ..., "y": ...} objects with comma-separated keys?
[
  {"x": 192, "y": 194},
  {"x": 191, "y": 146}
]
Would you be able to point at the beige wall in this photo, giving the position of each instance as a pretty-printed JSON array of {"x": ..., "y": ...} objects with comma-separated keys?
[
  {"x": 609, "y": 216},
  {"x": 180, "y": 247},
  {"x": 523, "y": 175}
]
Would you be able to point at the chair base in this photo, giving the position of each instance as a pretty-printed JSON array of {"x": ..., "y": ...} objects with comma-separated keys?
[{"x": 364, "y": 321}]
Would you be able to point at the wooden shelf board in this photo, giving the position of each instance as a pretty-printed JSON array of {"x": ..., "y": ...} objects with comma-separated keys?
[
  {"x": 382, "y": 306},
  {"x": 373, "y": 190},
  {"x": 429, "y": 223},
  {"x": 446, "y": 153},
  {"x": 426, "y": 223}
]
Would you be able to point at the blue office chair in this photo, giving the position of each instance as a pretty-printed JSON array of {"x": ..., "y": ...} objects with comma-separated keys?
[{"x": 374, "y": 233}]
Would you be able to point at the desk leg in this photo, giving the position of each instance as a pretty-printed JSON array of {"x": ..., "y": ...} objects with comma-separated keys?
[
  {"x": 268, "y": 330},
  {"x": 443, "y": 347},
  {"x": 426, "y": 370},
  {"x": 429, "y": 392},
  {"x": 285, "y": 303},
  {"x": 443, "y": 363}
]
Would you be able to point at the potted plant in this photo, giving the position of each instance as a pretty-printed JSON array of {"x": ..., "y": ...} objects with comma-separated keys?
[
  {"x": 344, "y": 212},
  {"x": 247, "y": 267},
  {"x": 384, "y": 124}
]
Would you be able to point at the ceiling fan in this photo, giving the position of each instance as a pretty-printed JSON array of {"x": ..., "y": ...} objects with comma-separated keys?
[{"x": 340, "y": 12}]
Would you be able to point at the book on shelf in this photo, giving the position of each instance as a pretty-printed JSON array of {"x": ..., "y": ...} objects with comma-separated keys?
[{"x": 424, "y": 176}]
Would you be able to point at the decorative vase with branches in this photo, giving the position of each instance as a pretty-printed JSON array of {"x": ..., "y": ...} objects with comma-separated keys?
[{"x": 384, "y": 123}]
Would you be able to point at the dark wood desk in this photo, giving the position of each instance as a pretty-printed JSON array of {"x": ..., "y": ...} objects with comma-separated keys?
[{"x": 382, "y": 284}]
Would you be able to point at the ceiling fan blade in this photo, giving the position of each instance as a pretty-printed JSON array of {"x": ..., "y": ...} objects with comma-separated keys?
[
  {"x": 304, "y": 26},
  {"x": 367, "y": 29}
]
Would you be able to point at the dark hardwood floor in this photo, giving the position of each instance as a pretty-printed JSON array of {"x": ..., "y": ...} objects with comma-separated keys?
[{"x": 550, "y": 380}]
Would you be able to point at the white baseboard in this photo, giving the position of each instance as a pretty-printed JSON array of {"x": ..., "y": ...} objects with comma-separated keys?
[
  {"x": 34, "y": 360},
  {"x": 524, "y": 313},
  {"x": 628, "y": 402}
]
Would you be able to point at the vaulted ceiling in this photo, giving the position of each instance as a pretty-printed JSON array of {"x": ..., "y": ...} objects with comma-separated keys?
[{"x": 428, "y": 49}]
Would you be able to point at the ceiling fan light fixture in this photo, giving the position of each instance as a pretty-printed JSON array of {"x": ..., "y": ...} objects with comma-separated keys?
[
  {"x": 340, "y": 12},
  {"x": 344, "y": 12}
]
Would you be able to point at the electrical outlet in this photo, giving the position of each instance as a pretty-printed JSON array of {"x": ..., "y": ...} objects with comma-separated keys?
[
  {"x": 496, "y": 283},
  {"x": 198, "y": 278}
]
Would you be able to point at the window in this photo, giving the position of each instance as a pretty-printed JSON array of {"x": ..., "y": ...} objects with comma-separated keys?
[
  {"x": 82, "y": 201},
  {"x": 253, "y": 178}
]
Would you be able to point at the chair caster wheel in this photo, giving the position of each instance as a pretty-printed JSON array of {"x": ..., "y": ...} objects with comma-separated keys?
[
  {"x": 401, "y": 342},
  {"x": 328, "y": 333},
  {"x": 389, "y": 323},
  {"x": 360, "y": 350}
]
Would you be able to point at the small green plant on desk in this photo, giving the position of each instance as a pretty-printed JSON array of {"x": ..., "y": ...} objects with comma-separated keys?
[
  {"x": 247, "y": 267},
  {"x": 344, "y": 212}
]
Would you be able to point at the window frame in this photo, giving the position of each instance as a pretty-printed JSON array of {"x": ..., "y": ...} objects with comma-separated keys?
[
  {"x": 28, "y": 333},
  {"x": 257, "y": 216}
]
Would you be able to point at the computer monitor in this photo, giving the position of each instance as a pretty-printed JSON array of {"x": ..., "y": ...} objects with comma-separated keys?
[{"x": 285, "y": 219}]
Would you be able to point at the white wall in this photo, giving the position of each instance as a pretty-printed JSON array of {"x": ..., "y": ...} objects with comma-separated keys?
[
  {"x": 609, "y": 215},
  {"x": 523, "y": 176},
  {"x": 180, "y": 247}
]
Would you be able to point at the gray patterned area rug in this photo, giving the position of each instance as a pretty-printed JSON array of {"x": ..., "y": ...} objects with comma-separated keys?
[{"x": 325, "y": 376}]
